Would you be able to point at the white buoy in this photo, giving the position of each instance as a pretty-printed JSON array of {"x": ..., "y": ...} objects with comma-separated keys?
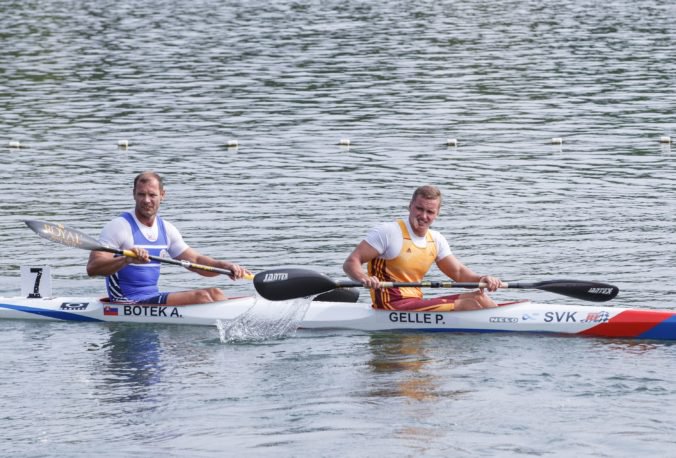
[
  {"x": 557, "y": 141},
  {"x": 123, "y": 143},
  {"x": 665, "y": 139},
  {"x": 344, "y": 142},
  {"x": 451, "y": 142},
  {"x": 15, "y": 144}
]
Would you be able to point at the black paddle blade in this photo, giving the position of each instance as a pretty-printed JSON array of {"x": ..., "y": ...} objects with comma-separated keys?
[
  {"x": 339, "y": 295},
  {"x": 60, "y": 234},
  {"x": 283, "y": 284},
  {"x": 579, "y": 289}
]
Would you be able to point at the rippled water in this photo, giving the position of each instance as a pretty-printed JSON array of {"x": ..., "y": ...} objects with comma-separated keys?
[{"x": 288, "y": 80}]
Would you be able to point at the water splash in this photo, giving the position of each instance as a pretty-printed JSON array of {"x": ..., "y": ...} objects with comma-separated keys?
[{"x": 265, "y": 320}]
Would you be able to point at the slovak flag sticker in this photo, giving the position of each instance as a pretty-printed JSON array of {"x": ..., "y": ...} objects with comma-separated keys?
[{"x": 110, "y": 310}]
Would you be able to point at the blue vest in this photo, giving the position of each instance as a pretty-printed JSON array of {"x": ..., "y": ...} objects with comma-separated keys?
[{"x": 136, "y": 282}]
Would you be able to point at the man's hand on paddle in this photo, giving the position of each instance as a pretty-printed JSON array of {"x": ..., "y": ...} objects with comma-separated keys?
[
  {"x": 142, "y": 256},
  {"x": 492, "y": 283},
  {"x": 371, "y": 282},
  {"x": 237, "y": 270}
]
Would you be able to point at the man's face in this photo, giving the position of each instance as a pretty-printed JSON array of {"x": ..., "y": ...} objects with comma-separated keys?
[
  {"x": 422, "y": 213},
  {"x": 148, "y": 197}
]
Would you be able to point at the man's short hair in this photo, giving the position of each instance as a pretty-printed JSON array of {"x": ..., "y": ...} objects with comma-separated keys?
[
  {"x": 145, "y": 177},
  {"x": 427, "y": 192}
]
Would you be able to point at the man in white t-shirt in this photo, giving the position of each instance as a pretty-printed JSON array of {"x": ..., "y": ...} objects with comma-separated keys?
[
  {"x": 143, "y": 231},
  {"x": 404, "y": 250}
]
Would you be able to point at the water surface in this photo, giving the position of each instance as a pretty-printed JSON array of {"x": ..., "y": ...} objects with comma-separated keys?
[{"x": 288, "y": 80}]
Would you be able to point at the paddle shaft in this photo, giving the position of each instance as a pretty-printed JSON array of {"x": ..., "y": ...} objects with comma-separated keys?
[
  {"x": 176, "y": 262},
  {"x": 574, "y": 288},
  {"x": 289, "y": 283},
  {"x": 451, "y": 284},
  {"x": 71, "y": 237},
  {"x": 421, "y": 284}
]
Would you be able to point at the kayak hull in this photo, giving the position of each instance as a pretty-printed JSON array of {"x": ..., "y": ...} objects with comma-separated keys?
[{"x": 586, "y": 320}]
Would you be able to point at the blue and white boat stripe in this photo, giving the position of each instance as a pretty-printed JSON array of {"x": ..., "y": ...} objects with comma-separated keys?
[{"x": 56, "y": 314}]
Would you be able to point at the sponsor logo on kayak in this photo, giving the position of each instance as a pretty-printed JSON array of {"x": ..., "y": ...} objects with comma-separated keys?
[
  {"x": 560, "y": 317},
  {"x": 74, "y": 306},
  {"x": 276, "y": 276},
  {"x": 503, "y": 319},
  {"x": 597, "y": 317},
  {"x": 414, "y": 317},
  {"x": 604, "y": 291},
  {"x": 151, "y": 310},
  {"x": 109, "y": 310}
]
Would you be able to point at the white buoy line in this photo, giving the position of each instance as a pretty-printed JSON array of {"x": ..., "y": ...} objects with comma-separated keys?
[{"x": 234, "y": 143}]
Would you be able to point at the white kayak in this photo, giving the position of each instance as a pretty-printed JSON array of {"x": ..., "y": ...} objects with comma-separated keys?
[{"x": 525, "y": 316}]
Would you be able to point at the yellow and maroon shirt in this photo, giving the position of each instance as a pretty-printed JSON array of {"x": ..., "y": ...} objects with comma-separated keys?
[{"x": 410, "y": 265}]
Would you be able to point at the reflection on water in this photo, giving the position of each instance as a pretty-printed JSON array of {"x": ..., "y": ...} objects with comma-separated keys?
[
  {"x": 414, "y": 368},
  {"x": 631, "y": 346},
  {"x": 401, "y": 363},
  {"x": 133, "y": 363}
]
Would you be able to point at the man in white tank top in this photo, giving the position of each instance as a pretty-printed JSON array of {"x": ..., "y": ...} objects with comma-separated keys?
[
  {"x": 145, "y": 233},
  {"x": 404, "y": 250}
]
